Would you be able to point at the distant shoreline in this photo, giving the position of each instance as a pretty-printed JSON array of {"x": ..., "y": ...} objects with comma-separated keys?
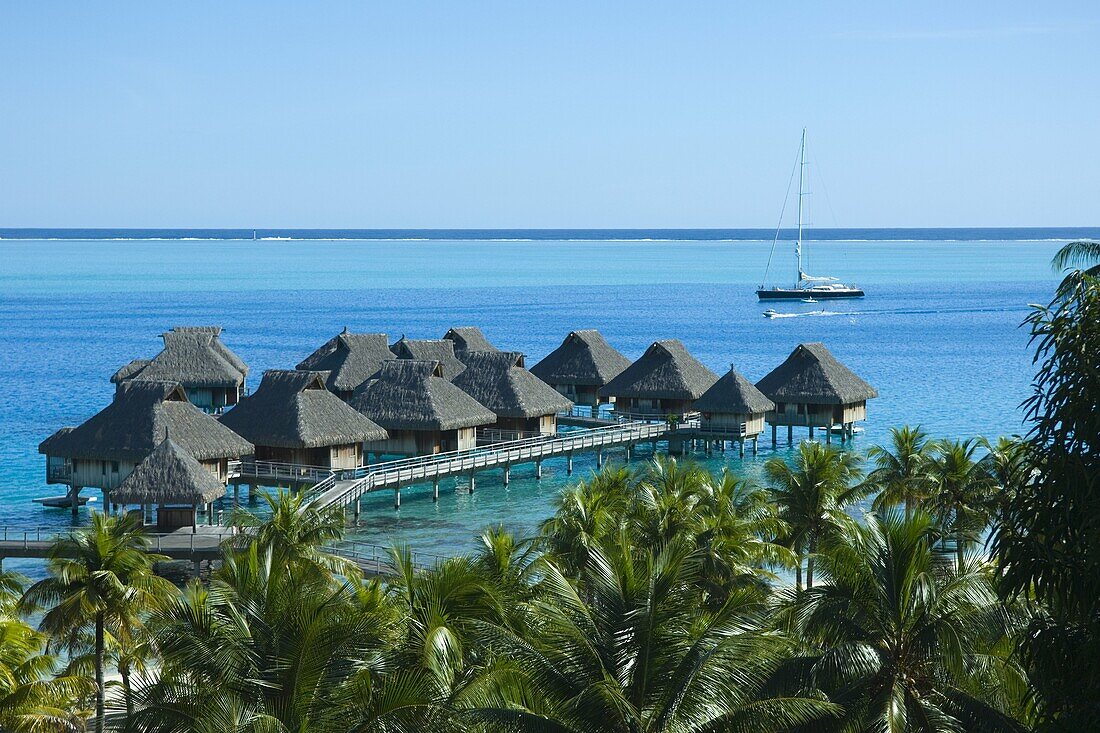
[{"x": 940, "y": 234}]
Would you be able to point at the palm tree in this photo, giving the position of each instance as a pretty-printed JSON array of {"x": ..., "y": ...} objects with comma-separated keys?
[
  {"x": 265, "y": 649},
  {"x": 296, "y": 530},
  {"x": 100, "y": 578},
  {"x": 904, "y": 641},
  {"x": 899, "y": 470},
  {"x": 441, "y": 605},
  {"x": 586, "y": 514},
  {"x": 813, "y": 496},
  {"x": 626, "y": 649},
  {"x": 31, "y": 699},
  {"x": 734, "y": 533},
  {"x": 668, "y": 500},
  {"x": 1006, "y": 464},
  {"x": 1081, "y": 257},
  {"x": 961, "y": 492}
]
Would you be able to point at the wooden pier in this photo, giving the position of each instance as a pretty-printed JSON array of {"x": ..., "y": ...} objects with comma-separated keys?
[
  {"x": 203, "y": 546},
  {"x": 346, "y": 487}
]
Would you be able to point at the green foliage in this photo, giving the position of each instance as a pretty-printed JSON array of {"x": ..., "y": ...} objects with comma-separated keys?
[
  {"x": 100, "y": 582},
  {"x": 1048, "y": 542},
  {"x": 813, "y": 497},
  {"x": 295, "y": 532},
  {"x": 899, "y": 472},
  {"x": 625, "y": 647},
  {"x": 32, "y": 699},
  {"x": 904, "y": 641},
  {"x": 655, "y": 599}
]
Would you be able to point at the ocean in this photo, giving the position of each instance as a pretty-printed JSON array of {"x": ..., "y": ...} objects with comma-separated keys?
[{"x": 938, "y": 334}]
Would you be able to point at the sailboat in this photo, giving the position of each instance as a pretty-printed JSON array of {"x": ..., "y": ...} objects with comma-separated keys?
[{"x": 806, "y": 287}]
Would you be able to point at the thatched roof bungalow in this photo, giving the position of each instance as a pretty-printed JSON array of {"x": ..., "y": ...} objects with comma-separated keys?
[
  {"x": 583, "y": 364},
  {"x": 350, "y": 359},
  {"x": 440, "y": 350},
  {"x": 172, "y": 479},
  {"x": 733, "y": 408},
  {"x": 812, "y": 389},
  {"x": 422, "y": 411},
  {"x": 468, "y": 338},
  {"x": 666, "y": 380},
  {"x": 522, "y": 402},
  {"x": 196, "y": 358},
  {"x": 293, "y": 418},
  {"x": 104, "y": 450}
]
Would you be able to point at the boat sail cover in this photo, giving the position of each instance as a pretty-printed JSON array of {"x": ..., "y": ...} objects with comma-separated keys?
[{"x": 803, "y": 277}]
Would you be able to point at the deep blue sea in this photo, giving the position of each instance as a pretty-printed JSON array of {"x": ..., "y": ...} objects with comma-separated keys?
[{"x": 938, "y": 334}]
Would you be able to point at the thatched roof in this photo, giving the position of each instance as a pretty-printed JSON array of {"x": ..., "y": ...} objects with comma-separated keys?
[
  {"x": 194, "y": 356},
  {"x": 133, "y": 425},
  {"x": 169, "y": 475},
  {"x": 498, "y": 380},
  {"x": 413, "y": 395},
  {"x": 468, "y": 338},
  {"x": 130, "y": 370},
  {"x": 812, "y": 375},
  {"x": 47, "y": 445},
  {"x": 665, "y": 371},
  {"x": 293, "y": 409},
  {"x": 350, "y": 359},
  {"x": 733, "y": 394},
  {"x": 441, "y": 350},
  {"x": 584, "y": 358}
]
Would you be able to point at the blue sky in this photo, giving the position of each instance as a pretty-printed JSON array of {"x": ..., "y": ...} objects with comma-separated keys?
[{"x": 546, "y": 114}]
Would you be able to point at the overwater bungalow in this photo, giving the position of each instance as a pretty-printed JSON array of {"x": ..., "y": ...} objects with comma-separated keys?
[
  {"x": 195, "y": 357},
  {"x": 583, "y": 364},
  {"x": 350, "y": 359},
  {"x": 468, "y": 338},
  {"x": 523, "y": 403},
  {"x": 812, "y": 389},
  {"x": 666, "y": 380},
  {"x": 422, "y": 411},
  {"x": 293, "y": 418},
  {"x": 733, "y": 409},
  {"x": 171, "y": 479},
  {"x": 439, "y": 350},
  {"x": 104, "y": 450}
]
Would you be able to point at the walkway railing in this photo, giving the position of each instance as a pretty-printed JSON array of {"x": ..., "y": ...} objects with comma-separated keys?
[
  {"x": 495, "y": 435},
  {"x": 367, "y": 554},
  {"x": 276, "y": 471},
  {"x": 372, "y": 557},
  {"x": 423, "y": 468}
]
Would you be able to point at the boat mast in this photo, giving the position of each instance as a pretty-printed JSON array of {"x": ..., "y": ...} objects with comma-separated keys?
[{"x": 801, "y": 174}]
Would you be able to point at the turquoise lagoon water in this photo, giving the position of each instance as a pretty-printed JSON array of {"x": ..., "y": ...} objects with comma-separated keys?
[{"x": 938, "y": 334}]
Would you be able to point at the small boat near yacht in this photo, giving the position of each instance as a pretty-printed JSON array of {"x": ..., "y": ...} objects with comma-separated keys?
[
  {"x": 806, "y": 288},
  {"x": 771, "y": 313}
]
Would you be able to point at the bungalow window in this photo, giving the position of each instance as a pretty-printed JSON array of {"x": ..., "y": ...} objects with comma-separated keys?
[
  {"x": 114, "y": 466},
  {"x": 780, "y": 406},
  {"x": 103, "y": 468},
  {"x": 801, "y": 409}
]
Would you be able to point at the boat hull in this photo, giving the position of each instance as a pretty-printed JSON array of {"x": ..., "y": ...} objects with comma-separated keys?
[{"x": 794, "y": 294}]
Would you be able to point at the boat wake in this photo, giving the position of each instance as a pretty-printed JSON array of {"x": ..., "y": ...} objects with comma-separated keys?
[
  {"x": 771, "y": 313},
  {"x": 776, "y": 314}
]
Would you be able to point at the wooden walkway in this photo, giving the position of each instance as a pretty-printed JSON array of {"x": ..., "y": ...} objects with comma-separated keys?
[
  {"x": 346, "y": 489},
  {"x": 206, "y": 545},
  {"x": 181, "y": 544}
]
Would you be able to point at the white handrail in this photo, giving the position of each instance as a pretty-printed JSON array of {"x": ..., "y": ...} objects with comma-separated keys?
[{"x": 421, "y": 467}]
